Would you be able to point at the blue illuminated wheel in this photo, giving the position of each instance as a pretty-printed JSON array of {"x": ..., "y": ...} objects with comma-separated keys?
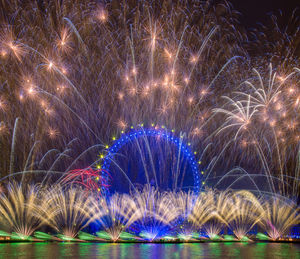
[{"x": 151, "y": 156}]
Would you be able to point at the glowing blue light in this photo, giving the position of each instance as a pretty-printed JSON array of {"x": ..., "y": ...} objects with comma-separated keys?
[{"x": 133, "y": 134}]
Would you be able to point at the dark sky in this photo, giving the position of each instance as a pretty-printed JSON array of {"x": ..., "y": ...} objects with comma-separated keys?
[{"x": 254, "y": 11}]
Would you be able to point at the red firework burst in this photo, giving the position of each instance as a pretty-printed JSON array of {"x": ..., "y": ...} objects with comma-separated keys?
[{"x": 90, "y": 179}]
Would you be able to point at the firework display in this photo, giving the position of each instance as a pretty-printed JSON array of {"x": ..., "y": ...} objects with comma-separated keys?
[
  {"x": 146, "y": 215},
  {"x": 147, "y": 121}
]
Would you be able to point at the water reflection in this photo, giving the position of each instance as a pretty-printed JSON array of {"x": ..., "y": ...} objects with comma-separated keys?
[{"x": 153, "y": 251}]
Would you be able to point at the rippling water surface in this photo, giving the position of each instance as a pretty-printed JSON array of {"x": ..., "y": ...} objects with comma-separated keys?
[{"x": 155, "y": 251}]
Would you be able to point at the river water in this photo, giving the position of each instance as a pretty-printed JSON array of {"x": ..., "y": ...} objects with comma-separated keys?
[{"x": 153, "y": 251}]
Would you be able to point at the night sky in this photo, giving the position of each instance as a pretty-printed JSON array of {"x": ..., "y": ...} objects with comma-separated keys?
[{"x": 256, "y": 11}]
